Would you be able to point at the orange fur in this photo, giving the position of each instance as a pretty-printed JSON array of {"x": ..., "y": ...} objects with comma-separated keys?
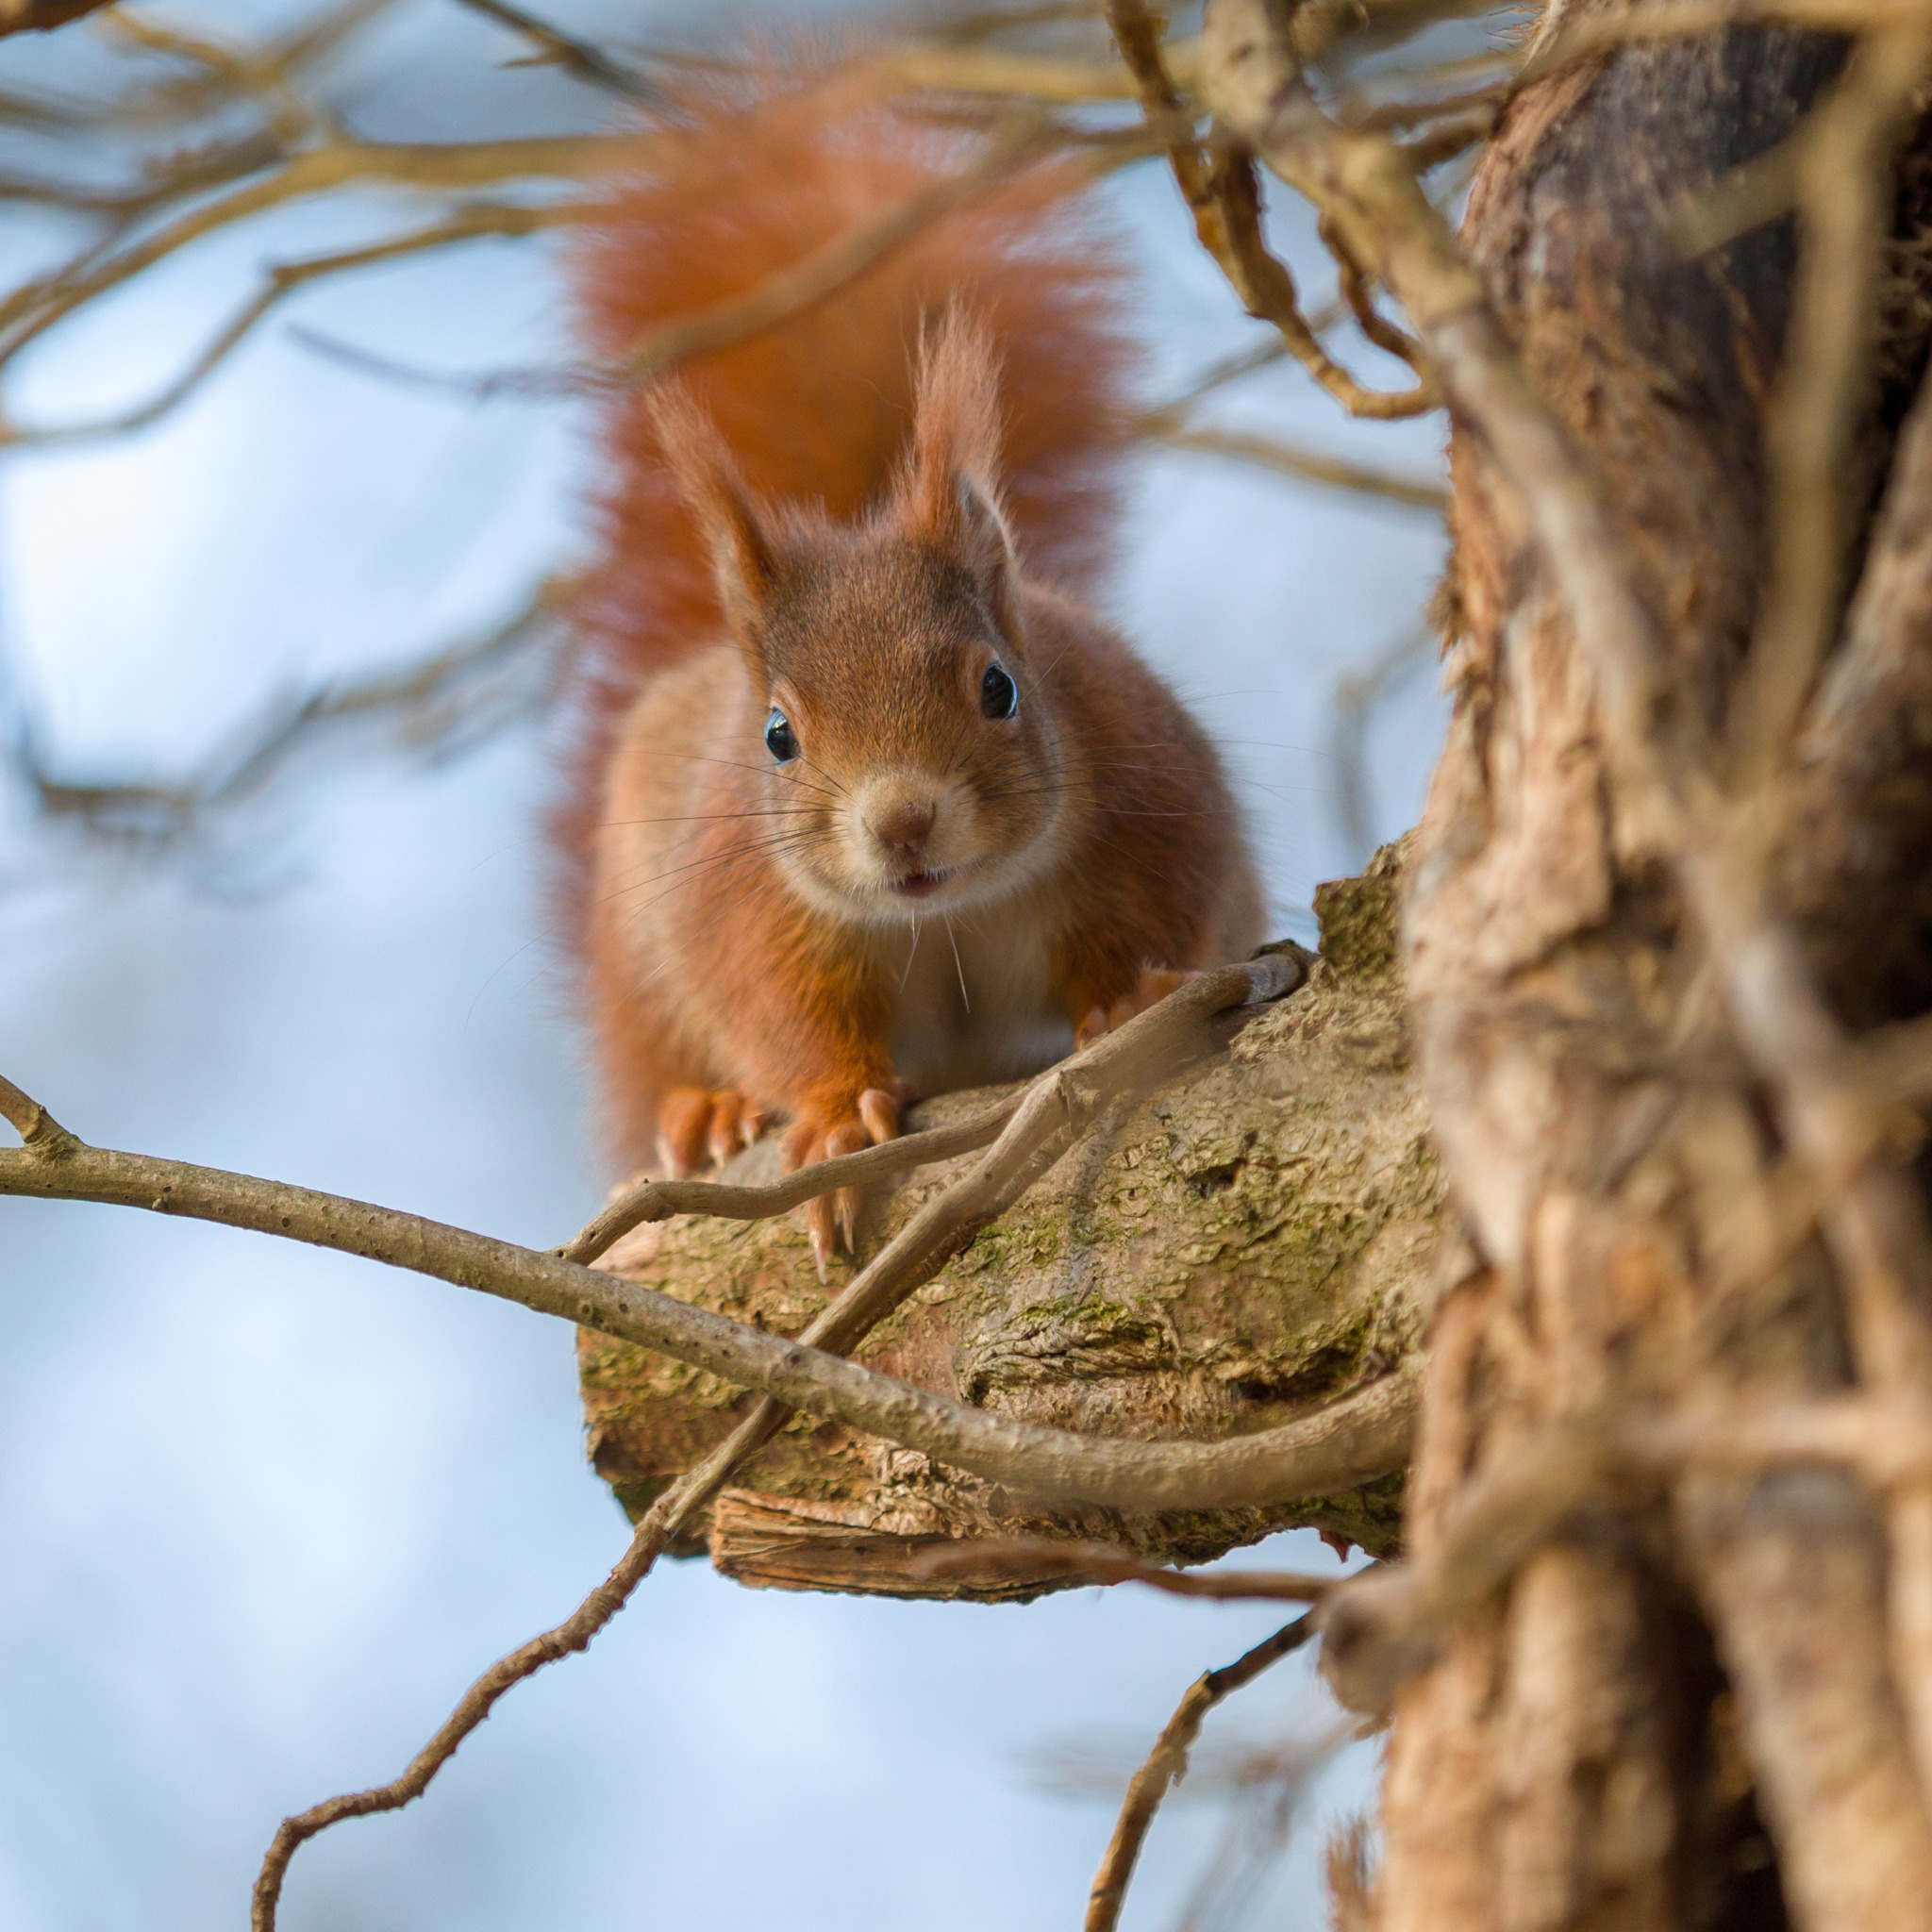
[{"x": 865, "y": 518}]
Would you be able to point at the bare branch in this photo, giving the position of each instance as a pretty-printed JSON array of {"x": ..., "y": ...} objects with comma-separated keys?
[
  {"x": 1358, "y": 292},
  {"x": 1028, "y": 77},
  {"x": 478, "y": 222},
  {"x": 1032, "y": 1556},
  {"x": 1038, "y": 1129},
  {"x": 576, "y": 57},
  {"x": 654, "y": 1199},
  {"x": 36, "y": 305},
  {"x": 1382, "y": 1627},
  {"x": 35, "y": 1125},
  {"x": 429, "y": 700},
  {"x": 1167, "y": 1764},
  {"x": 1292, "y": 459},
  {"x": 1222, "y": 191},
  {"x": 1341, "y": 1447},
  {"x": 1338, "y": 1448},
  {"x": 791, "y": 292}
]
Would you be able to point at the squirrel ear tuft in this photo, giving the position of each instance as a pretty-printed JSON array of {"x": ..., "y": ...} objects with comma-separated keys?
[
  {"x": 715, "y": 493},
  {"x": 952, "y": 491}
]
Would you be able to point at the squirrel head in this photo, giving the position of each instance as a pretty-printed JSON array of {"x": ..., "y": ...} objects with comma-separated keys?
[{"x": 907, "y": 748}]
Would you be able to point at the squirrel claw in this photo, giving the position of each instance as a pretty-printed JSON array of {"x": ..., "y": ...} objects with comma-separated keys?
[
  {"x": 696, "y": 1128},
  {"x": 831, "y": 1219}
]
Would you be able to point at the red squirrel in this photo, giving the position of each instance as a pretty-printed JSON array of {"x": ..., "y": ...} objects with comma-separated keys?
[{"x": 870, "y": 805}]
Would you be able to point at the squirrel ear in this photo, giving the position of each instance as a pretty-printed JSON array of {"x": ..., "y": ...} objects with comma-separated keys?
[
  {"x": 715, "y": 493},
  {"x": 952, "y": 487}
]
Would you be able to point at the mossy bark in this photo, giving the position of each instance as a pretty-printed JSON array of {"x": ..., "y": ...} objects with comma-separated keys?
[{"x": 1246, "y": 1244}]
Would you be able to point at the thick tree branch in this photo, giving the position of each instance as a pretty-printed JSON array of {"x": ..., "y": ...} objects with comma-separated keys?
[
  {"x": 1244, "y": 1237},
  {"x": 1349, "y": 1443}
]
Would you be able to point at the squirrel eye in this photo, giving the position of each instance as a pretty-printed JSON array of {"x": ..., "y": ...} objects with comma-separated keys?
[
  {"x": 780, "y": 739},
  {"x": 999, "y": 696}
]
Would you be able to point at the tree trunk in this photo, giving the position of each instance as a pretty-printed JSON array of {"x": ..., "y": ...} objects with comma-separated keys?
[
  {"x": 1249, "y": 1241},
  {"x": 1680, "y": 1712}
]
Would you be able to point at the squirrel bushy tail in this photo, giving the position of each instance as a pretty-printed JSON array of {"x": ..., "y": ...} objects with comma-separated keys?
[{"x": 747, "y": 177}]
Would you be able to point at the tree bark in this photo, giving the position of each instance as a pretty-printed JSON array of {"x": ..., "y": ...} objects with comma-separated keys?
[
  {"x": 1679, "y": 1713},
  {"x": 1248, "y": 1242}
]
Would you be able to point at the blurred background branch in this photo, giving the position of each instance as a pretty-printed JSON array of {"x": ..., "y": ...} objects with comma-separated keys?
[
  {"x": 440, "y": 707},
  {"x": 186, "y": 131}
]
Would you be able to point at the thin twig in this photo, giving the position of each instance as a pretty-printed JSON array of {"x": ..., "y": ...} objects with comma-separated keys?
[
  {"x": 481, "y": 221},
  {"x": 1448, "y": 139},
  {"x": 36, "y": 305},
  {"x": 1222, "y": 192},
  {"x": 780, "y": 297},
  {"x": 1025, "y": 76},
  {"x": 155, "y": 814},
  {"x": 656, "y": 1200},
  {"x": 1883, "y": 1439},
  {"x": 35, "y": 1125},
  {"x": 1387, "y": 1623},
  {"x": 1031, "y": 1557},
  {"x": 1294, "y": 460},
  {"x": 1359, "y": 293},
  {"x": 576, "y": 56},
  {"x": 1167, "y": 1764}
]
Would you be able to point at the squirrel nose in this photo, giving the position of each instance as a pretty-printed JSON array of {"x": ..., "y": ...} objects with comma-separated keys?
[{"x": 906, "y": 826}]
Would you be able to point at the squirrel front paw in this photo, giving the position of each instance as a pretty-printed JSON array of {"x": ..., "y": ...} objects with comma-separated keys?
[
  {"x": 823, "y": 1132},
  {"x": 696, "y": 1128},
  {"x": 1155, "y": 984}
]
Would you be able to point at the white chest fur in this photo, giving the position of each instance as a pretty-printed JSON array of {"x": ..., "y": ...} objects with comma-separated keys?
[{"x": 974, "y": 1006}]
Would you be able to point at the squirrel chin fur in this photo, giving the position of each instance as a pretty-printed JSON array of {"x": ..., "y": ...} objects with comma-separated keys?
[{"x": 864, "y": 801}]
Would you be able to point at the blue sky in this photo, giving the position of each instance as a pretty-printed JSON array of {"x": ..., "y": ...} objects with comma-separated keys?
[{"x": 265, "y": 1511}]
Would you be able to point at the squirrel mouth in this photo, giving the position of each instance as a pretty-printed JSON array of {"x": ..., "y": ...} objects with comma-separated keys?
[{"x": 920, "y": 883}]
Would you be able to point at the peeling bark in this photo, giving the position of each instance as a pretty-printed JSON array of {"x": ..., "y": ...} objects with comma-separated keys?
[{"x": 1230, "y": 1252}]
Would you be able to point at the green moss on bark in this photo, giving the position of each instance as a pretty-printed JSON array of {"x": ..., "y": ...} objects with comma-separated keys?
[{"x": 1229, "y": 1253}]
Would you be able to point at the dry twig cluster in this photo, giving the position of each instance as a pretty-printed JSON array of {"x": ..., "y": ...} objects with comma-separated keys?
[{"x": 208, "y": 134}]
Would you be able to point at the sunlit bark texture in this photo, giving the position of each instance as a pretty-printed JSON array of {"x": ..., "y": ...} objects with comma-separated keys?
[
  {"x": 1229, "y": 1253},
  {"x": 1682, "y": 1712}
]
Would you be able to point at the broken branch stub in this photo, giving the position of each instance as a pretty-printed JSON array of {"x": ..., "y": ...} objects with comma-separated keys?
[{"x": 1232, "y": 1250}]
